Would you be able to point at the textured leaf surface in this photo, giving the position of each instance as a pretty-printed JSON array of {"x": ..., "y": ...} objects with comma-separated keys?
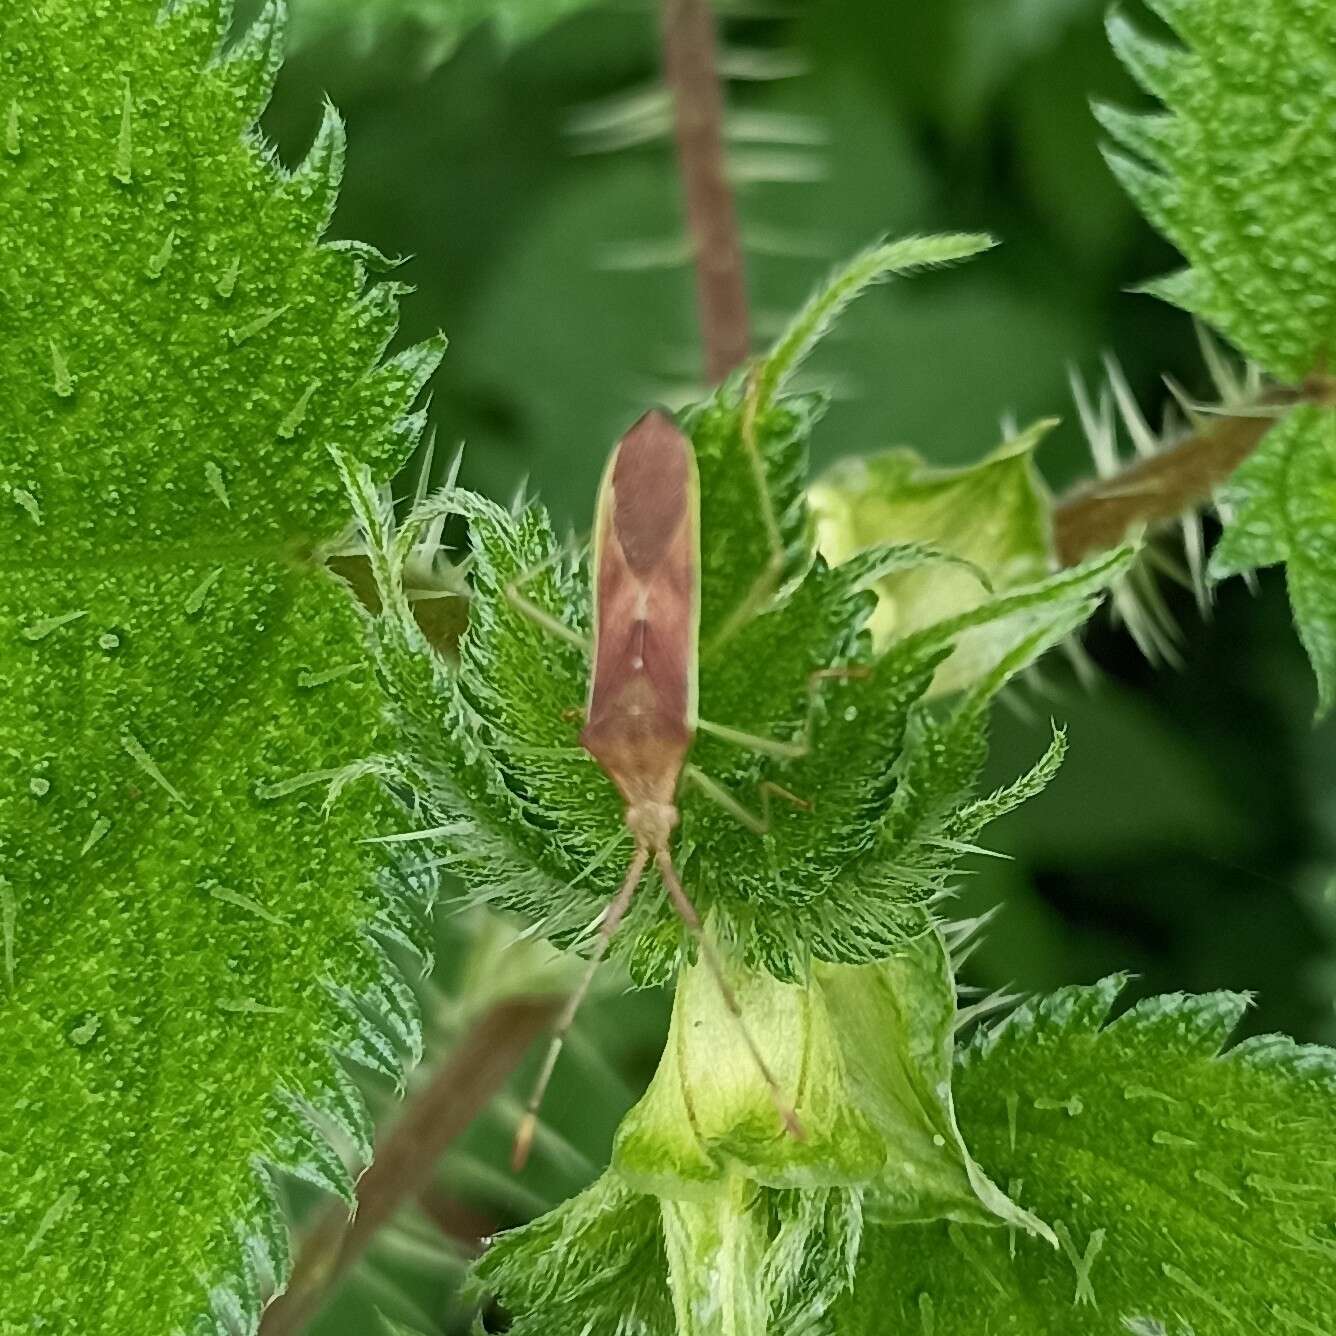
[
  {"x": 1282, "y": 507},
  {"x": 1239, "y": 171},
  {"x": 595, "y": 1264},
  {"x": 184, "y": 937},
  {"x": 491, "y": 746},
  {"x": 1192, "y": 1191}
]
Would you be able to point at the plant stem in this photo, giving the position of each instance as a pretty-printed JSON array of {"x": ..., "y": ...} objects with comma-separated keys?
[
  {"x": 1096, "y": 516},
  {"x": 692, "y": 74},
  {"x": 716, "y": 1249},
  {"x": 434, "y": 1117}
]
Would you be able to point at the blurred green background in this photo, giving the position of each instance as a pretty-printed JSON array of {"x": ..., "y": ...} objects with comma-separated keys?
[{"x": 1191, "y": 836}]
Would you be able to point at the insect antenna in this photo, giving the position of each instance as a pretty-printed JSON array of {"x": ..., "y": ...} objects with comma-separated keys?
[
  {"x": 612, "y": 917},
  {"x": 687, "y": 913}
]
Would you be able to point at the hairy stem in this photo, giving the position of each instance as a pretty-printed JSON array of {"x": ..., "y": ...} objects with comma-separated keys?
[
  {"x": 433, "y": 1118},
  {"x": 1096, "y": 516},
  {"x": 716, "y": 1249},
  {"x": 692, "y": 74}
]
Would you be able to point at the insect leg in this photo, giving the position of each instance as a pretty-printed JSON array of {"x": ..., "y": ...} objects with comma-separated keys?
[
  {"x": 612, "y": 917},
  {"x": 758, "y": 825},
  {"x": 768, "y": 789},
  {"x": 540, "y": 616},
  {"x": 755, "y": 742},
  {"x": 687, "y": 913},
  {"x": 791, "y": 751}
]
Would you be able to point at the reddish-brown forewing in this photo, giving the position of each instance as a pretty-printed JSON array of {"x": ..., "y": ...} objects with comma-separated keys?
[{"x": 641, "y": 712}]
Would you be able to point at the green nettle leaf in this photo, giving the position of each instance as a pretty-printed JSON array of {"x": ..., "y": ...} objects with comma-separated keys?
[
  {"x": 186, "y": 939},
  {"x": 490, "y": 744},
  {"x": 594, "y": 1264},
  {"x": 1239, "y": 171},
  {"x": 993, "y": 515},
  {"x": 1191, "y": 1190},
  {"x": 1282, "y": 507}
]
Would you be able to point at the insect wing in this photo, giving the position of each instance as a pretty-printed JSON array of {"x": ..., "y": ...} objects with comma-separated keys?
[{"x": 642, "y": 690}]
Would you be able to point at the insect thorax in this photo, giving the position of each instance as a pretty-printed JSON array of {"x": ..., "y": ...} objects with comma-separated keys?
[{"x": 643, "y": 755}]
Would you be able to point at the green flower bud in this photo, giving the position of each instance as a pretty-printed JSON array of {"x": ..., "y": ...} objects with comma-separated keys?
[
  {"x": 994, "y": 514},
  {"x": 863, "y": 1053}
]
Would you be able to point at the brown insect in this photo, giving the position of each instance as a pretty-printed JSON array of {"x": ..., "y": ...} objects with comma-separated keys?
[{"x": 640, "y": 717}]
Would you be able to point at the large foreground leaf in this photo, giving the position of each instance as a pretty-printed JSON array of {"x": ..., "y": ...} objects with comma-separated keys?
[
  {"x": 1192, "y": 1191},
  {"x": 1239, "y": 172},
  {"x": 184, "y": 940},
  {"x": 1283, "y": 507}
]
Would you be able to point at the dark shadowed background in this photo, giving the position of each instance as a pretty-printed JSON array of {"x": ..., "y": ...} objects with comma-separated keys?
[{"x": 1192, "y": 832}]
